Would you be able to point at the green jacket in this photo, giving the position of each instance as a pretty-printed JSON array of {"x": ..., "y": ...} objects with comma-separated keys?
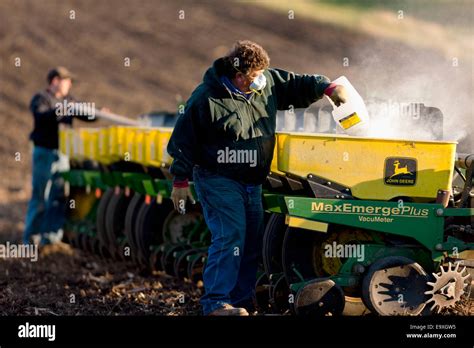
[{"x": 231, "y": 135}]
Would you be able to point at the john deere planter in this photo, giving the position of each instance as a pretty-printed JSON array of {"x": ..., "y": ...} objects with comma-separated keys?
[{"x": 354, "y": 225}]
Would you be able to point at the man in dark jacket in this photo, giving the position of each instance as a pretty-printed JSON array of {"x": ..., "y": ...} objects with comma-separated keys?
[
  {"x": 45, "y": 215},
  {"x": 224, "y": 141}
]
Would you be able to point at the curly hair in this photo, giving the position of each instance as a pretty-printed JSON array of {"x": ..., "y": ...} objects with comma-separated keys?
[{"x": 247, "y": 56}]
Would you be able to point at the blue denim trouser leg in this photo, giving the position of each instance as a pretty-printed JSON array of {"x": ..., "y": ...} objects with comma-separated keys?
[
  {"x": 55, "y": 212},
  {"x": 243, "y": 294},
  {"x": 40, "y": 208},
  {"x": 234, "y": 215}
]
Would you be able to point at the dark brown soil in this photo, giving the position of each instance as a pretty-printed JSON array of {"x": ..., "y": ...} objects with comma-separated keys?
[{"x": 65, "y": 281}]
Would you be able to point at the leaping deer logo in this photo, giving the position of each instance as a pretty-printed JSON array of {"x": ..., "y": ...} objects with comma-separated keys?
[{"x": 397, "y": 170}]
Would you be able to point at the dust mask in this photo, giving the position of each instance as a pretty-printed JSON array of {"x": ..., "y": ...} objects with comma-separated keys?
[{"x": 258, "y": 83}]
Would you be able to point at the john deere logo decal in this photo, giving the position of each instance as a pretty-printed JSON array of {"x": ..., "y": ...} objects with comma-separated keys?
[{"x": 400, "y": 171}]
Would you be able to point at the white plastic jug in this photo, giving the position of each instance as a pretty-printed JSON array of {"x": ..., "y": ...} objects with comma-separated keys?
[{"x": 351, "y": 116}]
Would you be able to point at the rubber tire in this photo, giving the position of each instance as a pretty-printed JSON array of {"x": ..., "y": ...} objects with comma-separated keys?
[
  {"x": 181, "y": 263},
  {"x": 130, "y": 220},
  {"x": 273, "y": 244},
  {"x": 100, "y": 218},
  {"x": 168, "y": 260},
  {"x": 115, "y": 221},
  {"x": 148, "y": 227}
]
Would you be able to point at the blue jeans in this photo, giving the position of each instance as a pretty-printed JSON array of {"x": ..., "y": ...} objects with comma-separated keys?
[
  {"x": 45, "y": 214},
  {"x": 234, "y": 214}
]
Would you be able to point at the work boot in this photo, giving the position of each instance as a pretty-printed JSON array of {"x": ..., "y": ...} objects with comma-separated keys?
[{"x": 227, "y": 310}]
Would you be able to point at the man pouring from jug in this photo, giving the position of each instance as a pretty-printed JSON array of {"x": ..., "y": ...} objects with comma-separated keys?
[{"x": 224, "y": 143}]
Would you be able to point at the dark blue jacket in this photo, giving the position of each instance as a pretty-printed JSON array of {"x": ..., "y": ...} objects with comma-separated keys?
[{"x": 46, "y": 122}]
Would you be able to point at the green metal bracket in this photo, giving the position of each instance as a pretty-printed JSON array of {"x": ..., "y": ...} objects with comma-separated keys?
[
  {"x": 274, "y": 203},
  {"x": 454, "y": 245},
  {"x": 163, "y": 187},
  {"x": 108, "y": 178},
  {"x": 149, "y": 188},
  {"x": 76, "y": 178},
  {"x": 91, "y": 177},
  {"x": 456, "y": 212},
  {"x": 135, "y": 181}
]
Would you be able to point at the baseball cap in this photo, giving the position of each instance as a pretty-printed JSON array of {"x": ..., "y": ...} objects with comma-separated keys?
[{"x": 60, "y": 72}]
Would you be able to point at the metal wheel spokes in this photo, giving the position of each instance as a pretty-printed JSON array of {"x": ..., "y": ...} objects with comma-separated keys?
[
  {"x": 395, "y": 286},
  {"x": 449, "y": 286}
]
